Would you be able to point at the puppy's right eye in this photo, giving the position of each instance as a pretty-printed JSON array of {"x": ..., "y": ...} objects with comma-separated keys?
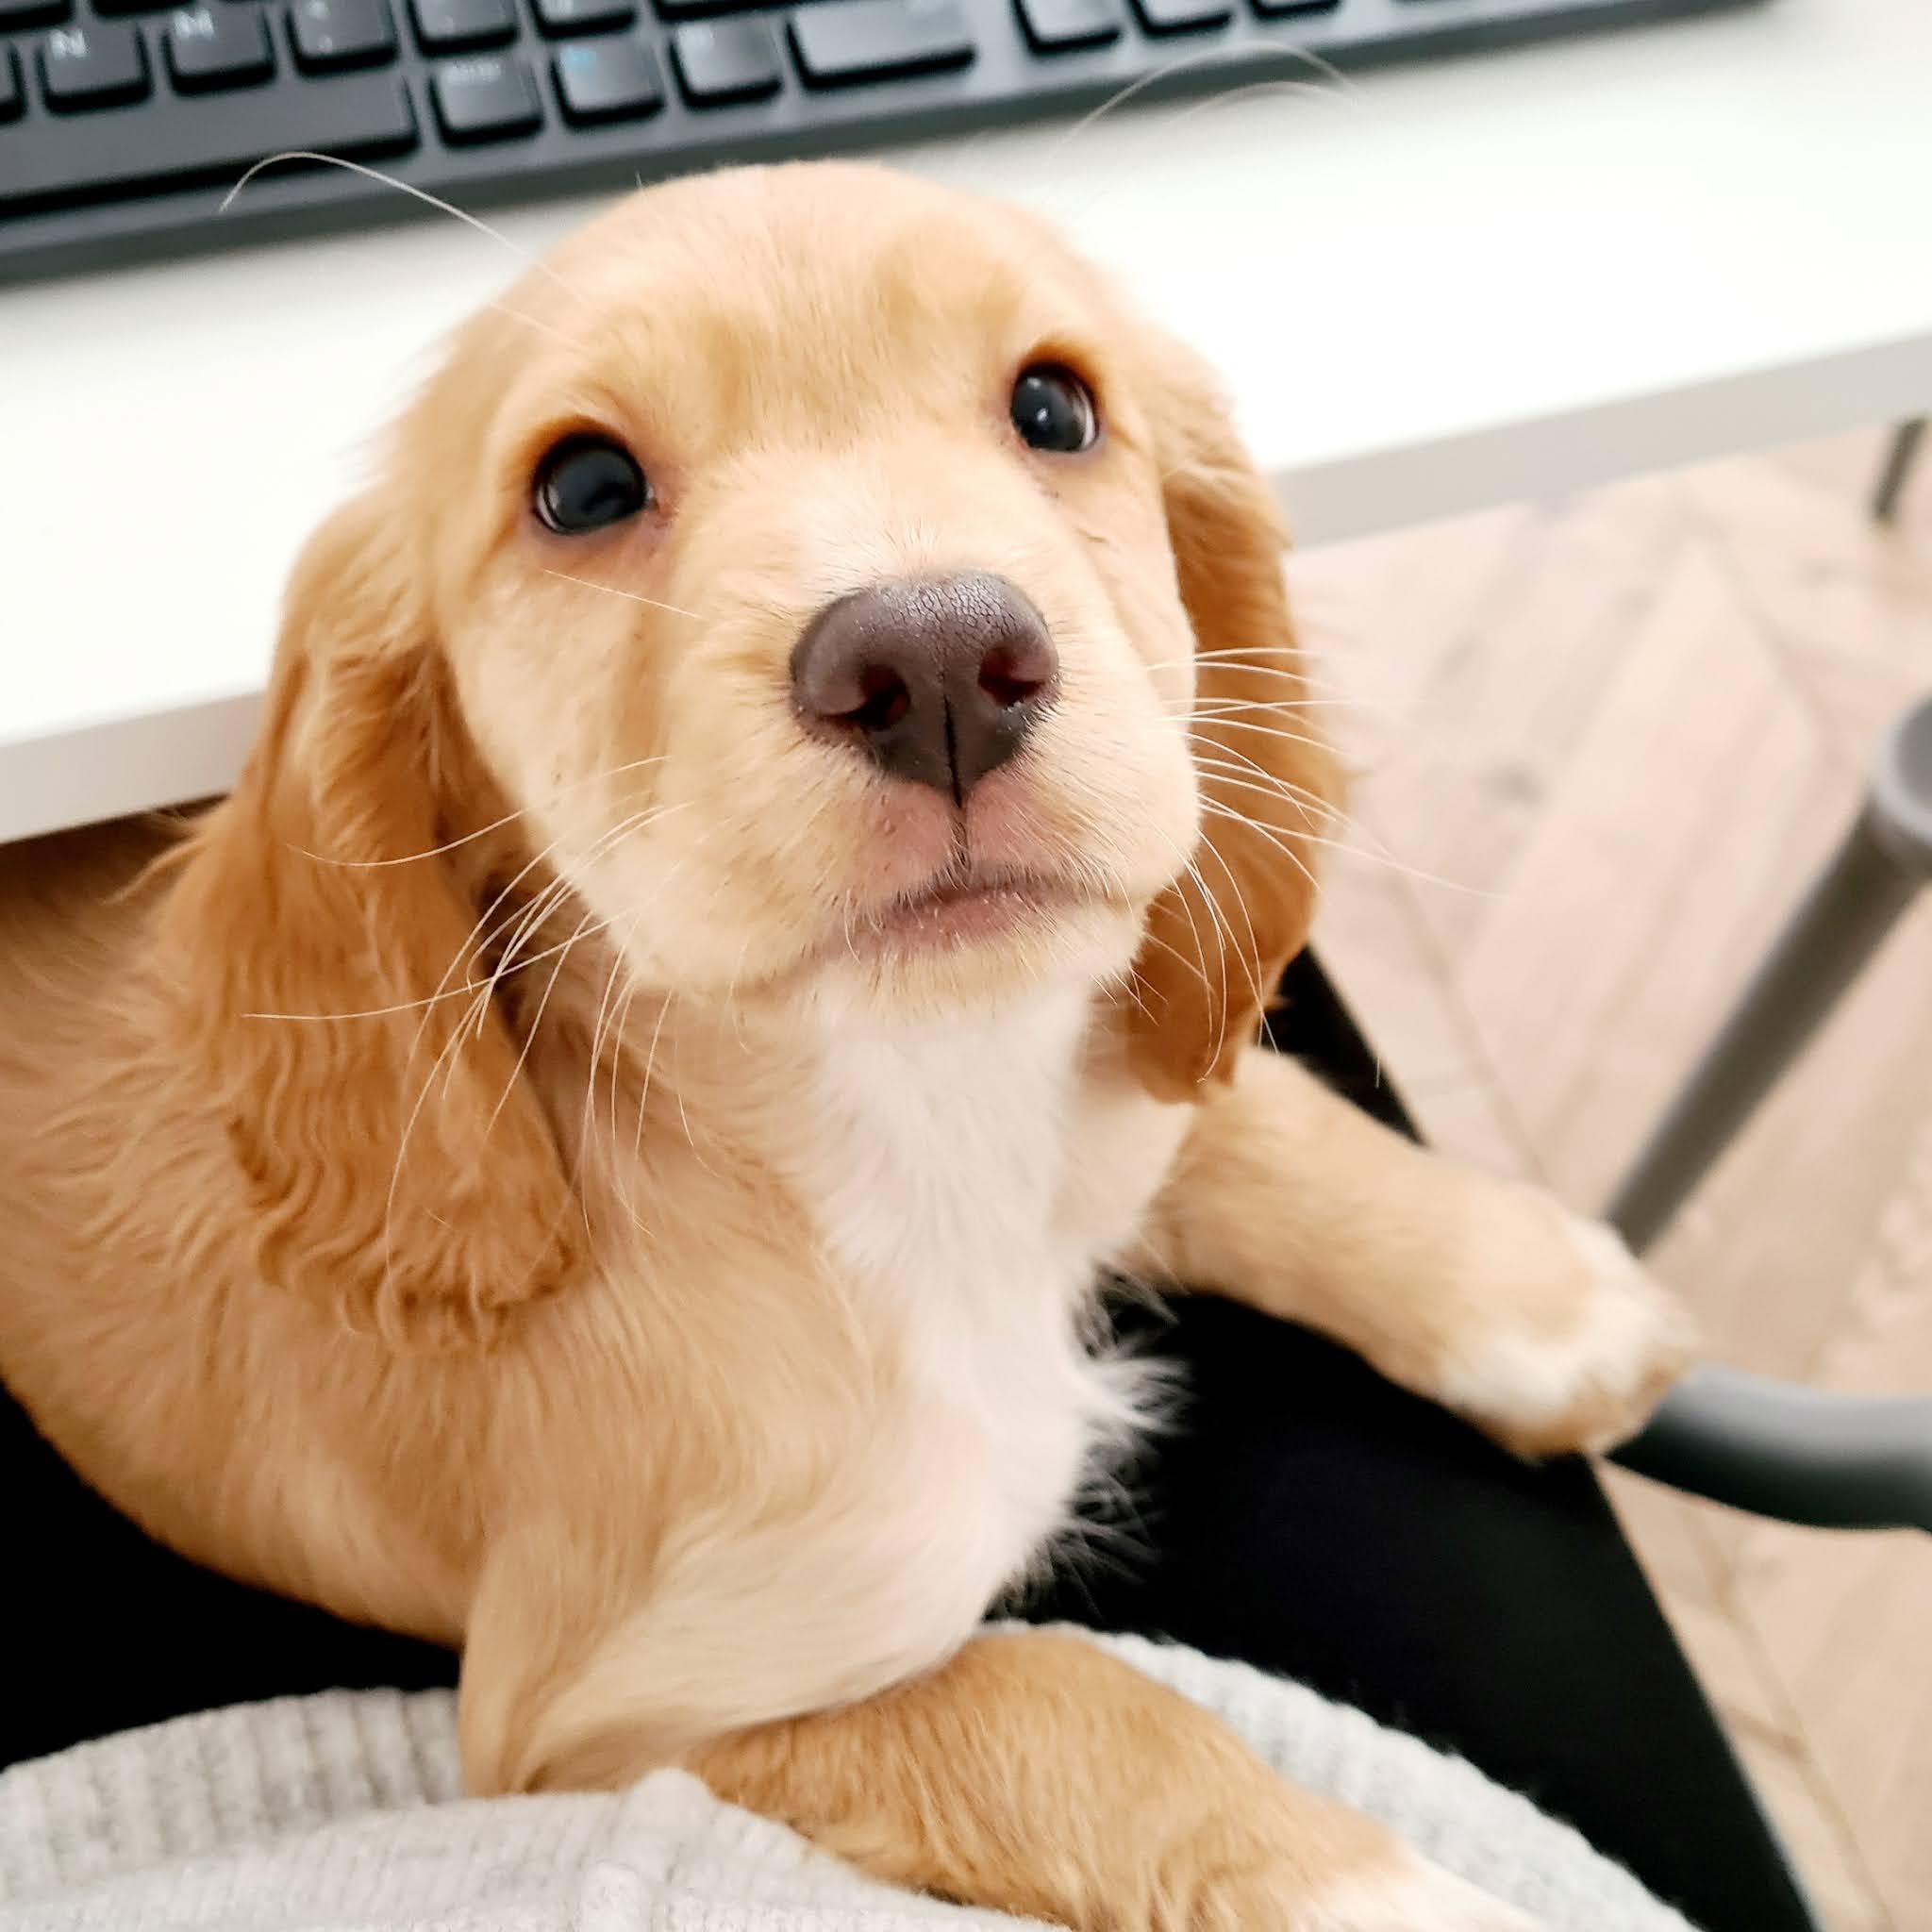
[{"x": 587, "y": 483}]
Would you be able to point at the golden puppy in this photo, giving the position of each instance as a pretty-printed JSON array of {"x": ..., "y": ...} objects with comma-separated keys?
[{"x": 777, "y": 816}]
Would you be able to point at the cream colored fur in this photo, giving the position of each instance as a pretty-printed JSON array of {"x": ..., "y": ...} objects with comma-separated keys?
[{"x": 513, "y": 1173}]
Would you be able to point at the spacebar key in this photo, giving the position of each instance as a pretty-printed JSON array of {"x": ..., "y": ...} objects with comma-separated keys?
[
  {"x": 176, "y": 142},
  {"x": 848, "y": 41}
]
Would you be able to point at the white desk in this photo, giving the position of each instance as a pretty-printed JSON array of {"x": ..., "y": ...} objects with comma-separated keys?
[{"x": 1499, "y": 276}]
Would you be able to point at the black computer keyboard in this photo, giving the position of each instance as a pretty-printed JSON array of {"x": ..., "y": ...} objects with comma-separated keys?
[{"x": 123, "y": 123}]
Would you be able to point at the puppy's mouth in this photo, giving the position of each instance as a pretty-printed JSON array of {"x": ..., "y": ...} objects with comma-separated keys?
[{"x": 967, "y": 907}]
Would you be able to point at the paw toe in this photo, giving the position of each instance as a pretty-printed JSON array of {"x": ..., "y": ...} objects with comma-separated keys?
[
  {"x": 1415, "y": 1897},
  {"x": 1593, "y": 1381}
]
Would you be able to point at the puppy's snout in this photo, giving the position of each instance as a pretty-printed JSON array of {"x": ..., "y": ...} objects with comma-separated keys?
[{"x": 939, "y": 679}]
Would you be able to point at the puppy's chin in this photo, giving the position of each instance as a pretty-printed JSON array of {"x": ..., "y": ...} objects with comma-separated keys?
[{"x": 946, "y": 963}]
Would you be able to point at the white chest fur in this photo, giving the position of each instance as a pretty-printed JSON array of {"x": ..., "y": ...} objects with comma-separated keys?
[
  {"x": 935, "y": 1168},
  {"x": 936, "y": 1187}
]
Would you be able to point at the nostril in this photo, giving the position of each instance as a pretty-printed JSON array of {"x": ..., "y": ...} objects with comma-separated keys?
[
  {"x": 1011, "y": 674},
  {"x": 883, "y": 701}
]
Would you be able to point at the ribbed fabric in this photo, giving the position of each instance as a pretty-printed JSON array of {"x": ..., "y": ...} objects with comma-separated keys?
[{"x": 343, "y": 1813}]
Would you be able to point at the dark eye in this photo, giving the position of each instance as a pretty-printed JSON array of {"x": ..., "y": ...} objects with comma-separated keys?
[
  {"x": 1053, "y": 409},
  {"x": 587, "y": 483}
]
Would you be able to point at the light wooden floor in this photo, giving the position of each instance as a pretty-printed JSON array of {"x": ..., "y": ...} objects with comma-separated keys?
[{"x": 1600, "y": 746}]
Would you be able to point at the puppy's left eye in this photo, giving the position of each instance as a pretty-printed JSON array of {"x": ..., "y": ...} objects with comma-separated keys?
[
  {"x": 1053, "y": 409},
  {"x": 587, "y": 483}
]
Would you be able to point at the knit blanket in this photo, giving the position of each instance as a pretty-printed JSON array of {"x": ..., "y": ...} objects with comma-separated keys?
[{"x": 344, "y": 1813}]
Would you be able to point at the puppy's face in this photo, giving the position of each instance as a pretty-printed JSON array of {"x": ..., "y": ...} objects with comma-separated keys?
[
  {"x": 803, "y": 570},
  {"x": 820, "y": 590}
]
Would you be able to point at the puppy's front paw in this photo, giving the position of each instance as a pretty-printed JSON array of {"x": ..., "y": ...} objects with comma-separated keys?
[
  {"x": 1583, "y": 1345},
  {"x": 1415, "y": 1896},
  {"x": 1404, "y": 1893},
  {"x": 1272, "y": 1858}
]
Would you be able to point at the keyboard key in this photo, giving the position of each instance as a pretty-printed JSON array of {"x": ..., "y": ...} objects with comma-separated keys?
[
  {"x": 12, "y": 98},
  {"x": 332, "y": 34},
  {"x": 1055, "y": 26},
  {"x": 218, "y": 46},
  {"x": 696, "y": 9},
  {"x": 490, "y": 98},
  {"x": 1182, "y": 16},
  {"x": 92, "y": 67},
  {"x": 583, "y": 16},
  {"x": 724, "y": 60},
  {"x": 33, "y": 13},
  {"x": 213, "y": 139},
  {"x": 456, "y": 27},
  {"x": 878, "y": 40},
  {"x": 611, "y": 79}
]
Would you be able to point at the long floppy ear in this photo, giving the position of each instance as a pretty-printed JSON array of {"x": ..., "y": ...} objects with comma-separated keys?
[
  {"x": 1217, "y": 943},
  {"x": 395, "y": 1166}
]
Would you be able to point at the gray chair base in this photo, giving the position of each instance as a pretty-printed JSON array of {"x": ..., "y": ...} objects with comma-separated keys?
[{"x": 1741, "y": 1440}]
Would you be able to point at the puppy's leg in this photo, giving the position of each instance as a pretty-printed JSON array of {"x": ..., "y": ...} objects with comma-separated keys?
[
  {"x": 1028, "y": 1770},
  {"x": 1485, "y": 1295},
  {"x": 1036, "y": 1775}
]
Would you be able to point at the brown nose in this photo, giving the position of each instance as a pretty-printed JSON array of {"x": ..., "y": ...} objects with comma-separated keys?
[{"x": 939, "y": 679}]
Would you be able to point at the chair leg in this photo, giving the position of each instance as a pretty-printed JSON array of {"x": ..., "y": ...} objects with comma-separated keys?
[
  {"x": 1854, "y": 904},
  {"x": 1899, "y": 458},
  {"x": 1856, "y": 901}
]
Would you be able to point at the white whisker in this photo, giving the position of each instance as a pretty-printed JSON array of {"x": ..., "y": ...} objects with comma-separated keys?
[
  {"x": 482, "y": 831},
  {"x": 629, "y": 597},
  {"x": 395, "y": 1173},
  {"x": 1310, "y": 804},
  {"x": 1194, "y": 966},
  {"x": 1203, "y": 57},
  {"x": 1301, "y": 738},
  {"x": 519, "y": 920},
  {"x": 1242, "y": 657},
  {"x": 422, "y": 194},
  {"x": 1199, "y": 964},
  {"x": 637, "y": 1150},
  {"x": 1207, "y": 710},
  {"x": 516, "y": 1072},
  {"x": 604, "y": 1011},
  {"x": 1214, "y": 808},
  {"x": 1221, "y": 953},
  {"x": 1234, "y": 885},
  {"x": 1251, "y": 91},
  {"x": 1315, "y": 838},
  {"x": 554, "y": 894}
]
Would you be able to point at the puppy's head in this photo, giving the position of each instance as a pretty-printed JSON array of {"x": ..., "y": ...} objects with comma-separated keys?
[{"x": 853, "y": 608}]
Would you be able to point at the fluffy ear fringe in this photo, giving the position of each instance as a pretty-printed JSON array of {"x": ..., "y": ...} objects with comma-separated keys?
[
  {"x": 1218, "y": 941},
  {"x": 397, "y": 1169}
]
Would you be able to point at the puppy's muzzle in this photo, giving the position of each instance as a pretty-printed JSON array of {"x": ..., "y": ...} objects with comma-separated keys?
[{"x": 938, "y": 679}]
